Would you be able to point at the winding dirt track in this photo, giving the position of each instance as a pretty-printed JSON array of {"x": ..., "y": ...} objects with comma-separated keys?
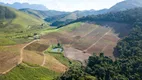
[
  {"x": 44, "y": 59},
  {"x": 21, "y": 58},
  {"x": 21, "y": 51}
]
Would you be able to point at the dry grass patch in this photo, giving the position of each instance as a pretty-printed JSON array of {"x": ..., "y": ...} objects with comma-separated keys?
[
  {"x": 53, "y": 64},
  {"x": 33, "y": 57}
]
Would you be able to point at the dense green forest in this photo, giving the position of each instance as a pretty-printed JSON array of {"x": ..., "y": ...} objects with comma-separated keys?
[
  {"x": 128, "y": 16},
  {"x": 128, "y": 64}
]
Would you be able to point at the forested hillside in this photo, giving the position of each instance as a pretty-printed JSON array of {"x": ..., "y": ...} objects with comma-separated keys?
[
  {"x": 71, "y": 16},
  {"x": 128, "y": 64},
  {"x": 130, "y": 16}
]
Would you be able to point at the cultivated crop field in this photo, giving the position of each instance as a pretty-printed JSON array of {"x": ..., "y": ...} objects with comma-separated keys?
[
  {"x": 89, "y": 38},
  {"x": 35, "y": 54},
  {"x": 80, "y": 40}
]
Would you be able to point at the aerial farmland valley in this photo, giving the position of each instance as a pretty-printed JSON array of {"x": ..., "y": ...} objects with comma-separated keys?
[{"x": 59, "y": 40}]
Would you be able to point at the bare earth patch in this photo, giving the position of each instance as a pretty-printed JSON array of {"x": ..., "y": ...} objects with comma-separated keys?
[
  {"x": 75, "y": 54},
  {"x": 9, "y": 57}
]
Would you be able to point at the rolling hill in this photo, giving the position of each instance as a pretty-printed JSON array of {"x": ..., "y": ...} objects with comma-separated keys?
[
  {"x": 126, "y": 4},
  {"x": 121, "y": 6},
  {"x": 43, "y": 14},
  {"x": 59, "y": 19},
  {"x": 14, "y": 25},
  {"x": 18, "y": 18}
]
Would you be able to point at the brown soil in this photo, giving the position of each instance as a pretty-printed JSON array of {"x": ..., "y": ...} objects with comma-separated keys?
[
  {"x": 9, "y": 57},
  {"x": 90, "y": 38}
]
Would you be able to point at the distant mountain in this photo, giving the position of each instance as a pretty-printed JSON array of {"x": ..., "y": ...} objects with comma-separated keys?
[
  {"x": 127, "y": 4},
  {"x": 131, "y": 16},
  {"x": 25, "y": 5},
  {"x": 43, "y": 14},
  {"x": 60, "y": 19},
  {"x": 77, "y": 14},
  {"x": 121, "y": 6}
]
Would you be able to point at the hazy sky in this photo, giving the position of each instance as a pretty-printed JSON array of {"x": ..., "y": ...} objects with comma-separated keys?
[{"x": 70, "y": 5}]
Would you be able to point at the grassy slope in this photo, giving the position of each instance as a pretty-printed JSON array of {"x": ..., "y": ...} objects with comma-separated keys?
[
  {"x": 25, "y": 20},
  {"x": 70, "y": 27},
  {"x": 17, "y": 29},
  {"x": 33, "y": 12},
  {"x": 25, "y": 72},
  {"x": 60, "y": 57},
  {"x": 65, "y": 28},
  {"x": 72, "y": 16}
]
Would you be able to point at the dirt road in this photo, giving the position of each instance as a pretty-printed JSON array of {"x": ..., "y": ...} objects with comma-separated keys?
[{"x": 21, "y": 58}]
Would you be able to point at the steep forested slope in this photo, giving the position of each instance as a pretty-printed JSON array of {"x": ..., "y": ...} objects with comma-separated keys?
[
  {"x": 128, "y": 16},
  {"x": 131, "y": 16}
]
